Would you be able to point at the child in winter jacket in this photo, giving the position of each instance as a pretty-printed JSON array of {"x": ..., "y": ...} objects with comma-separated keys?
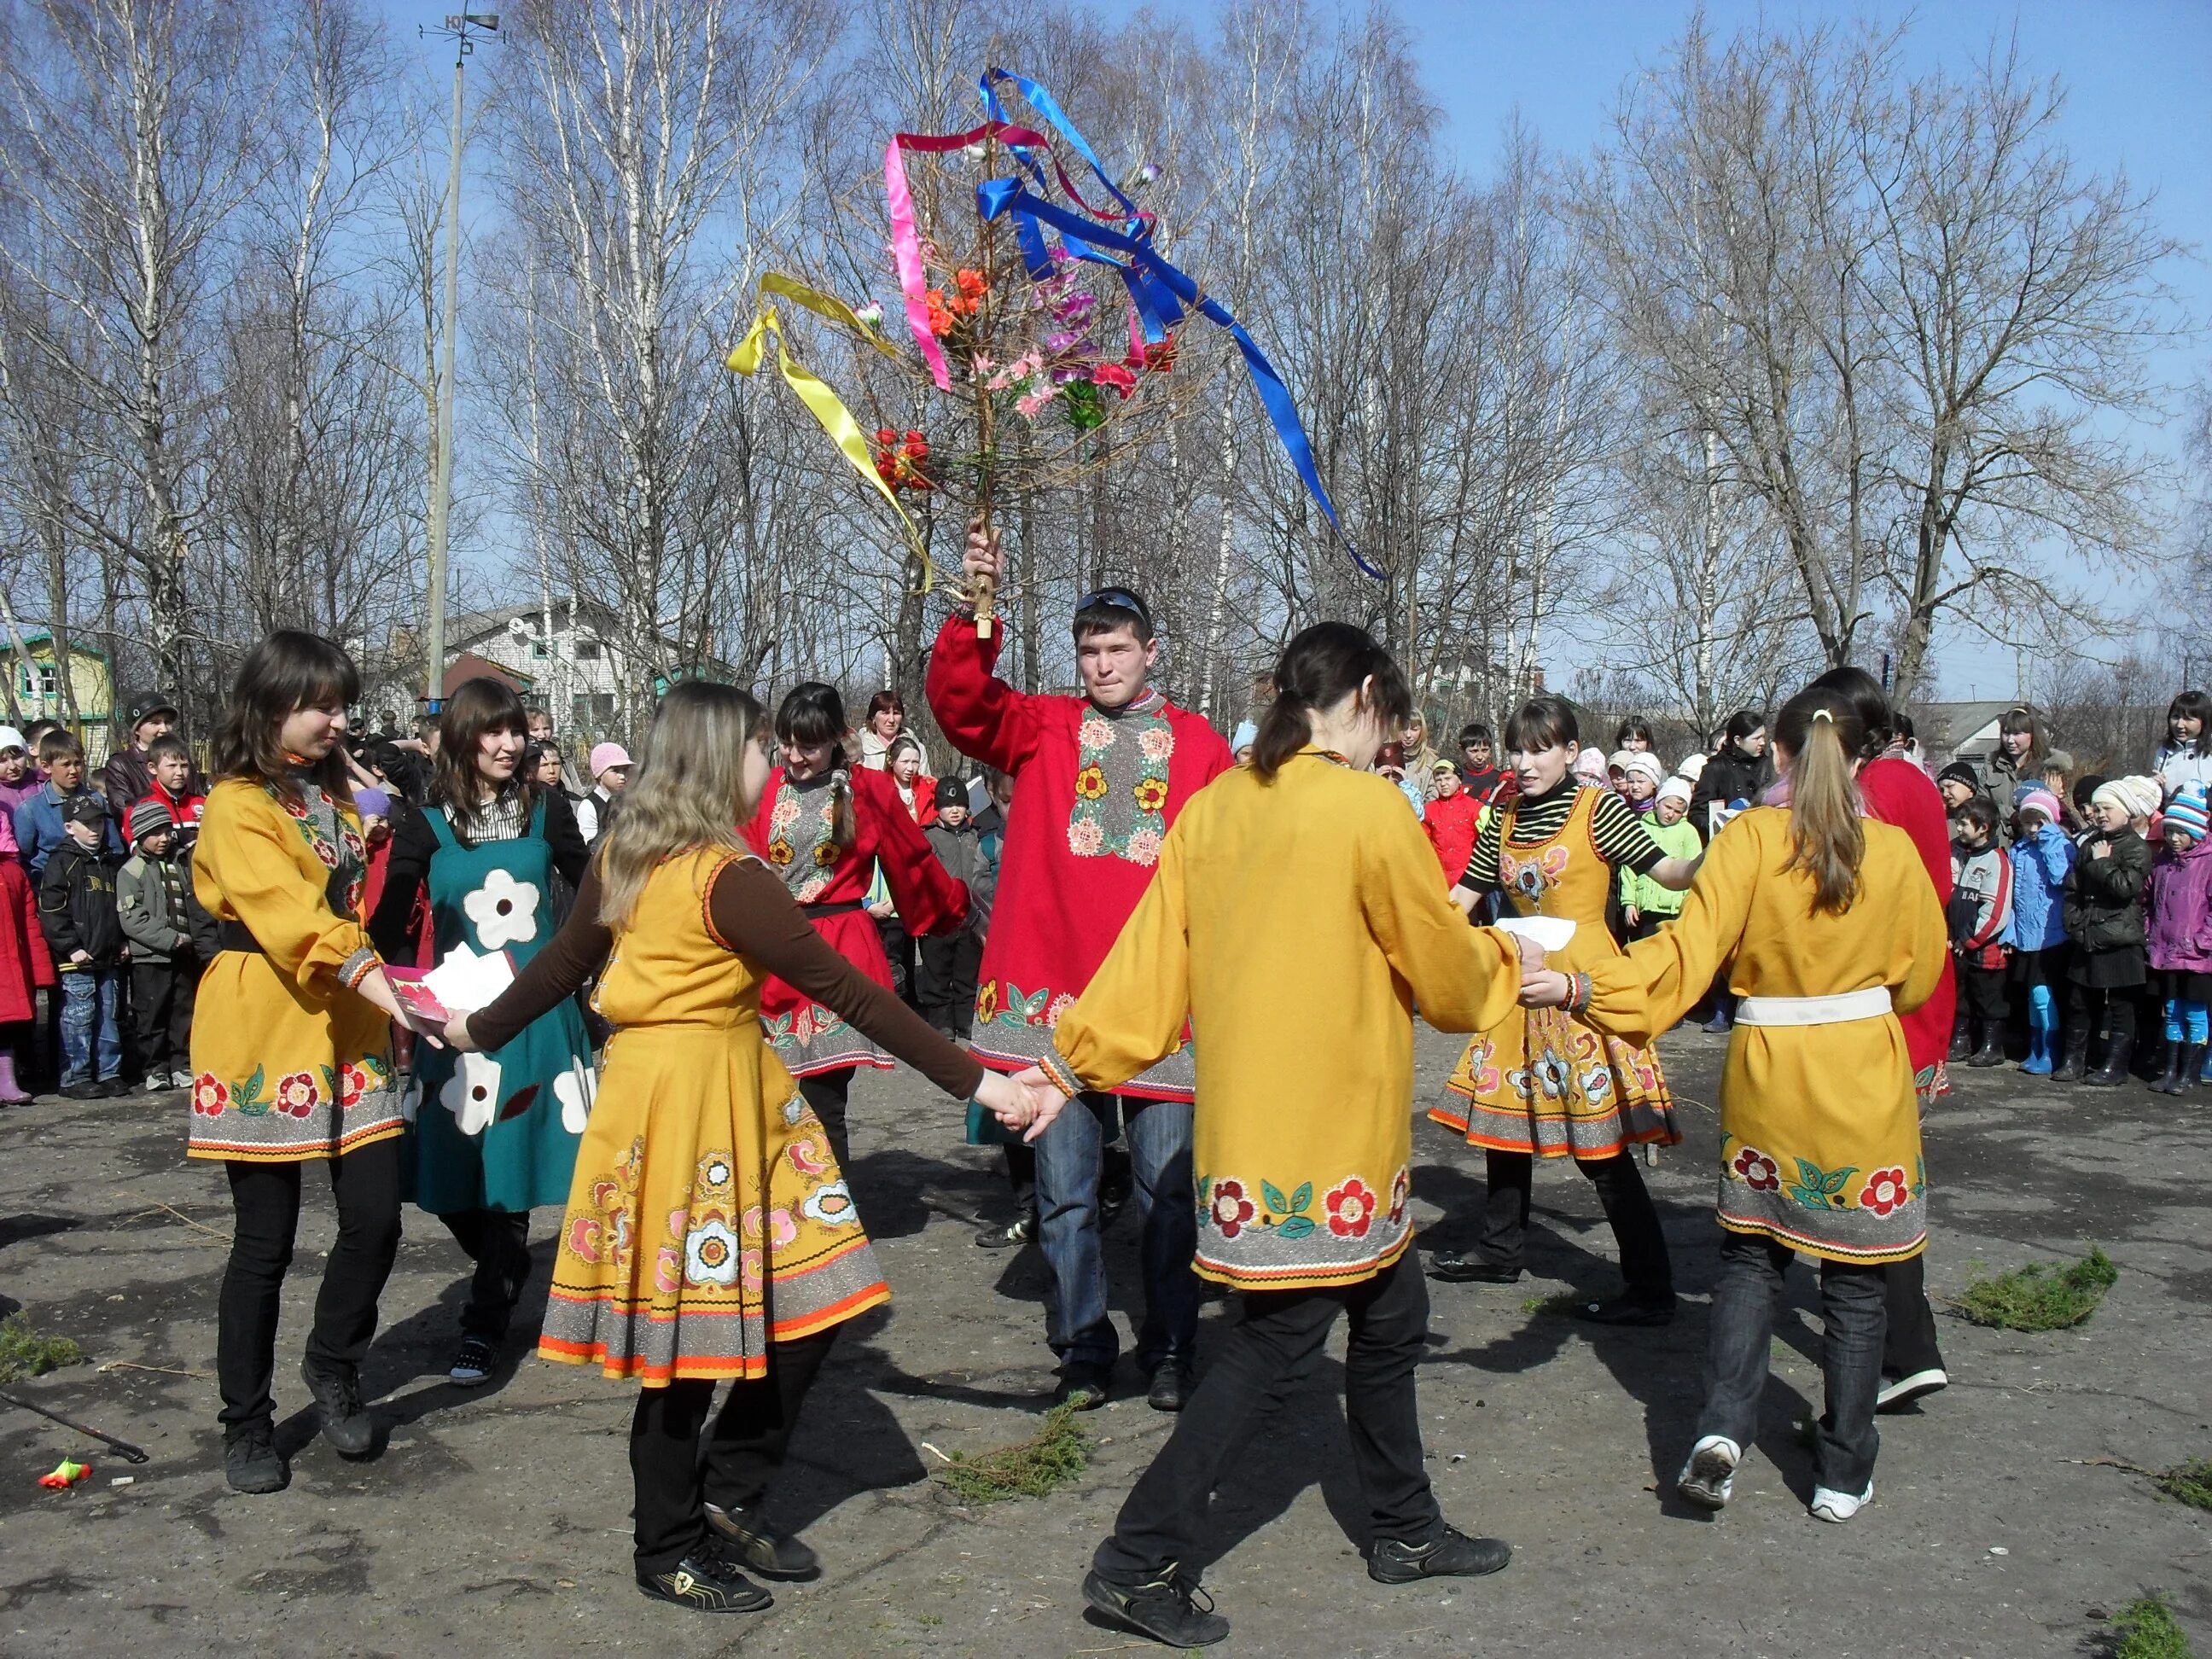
[
  {"x": 2042, "y": 857},
  {"x": 2180, "y": 935},
  {"x": 170, "y": 764},
  {"x": 1981, "y": 911},
  {"x": 2105, "y": 920},
  {"x": 950, "y": 961},
  {"x": 41, "y": 820},
  {"x": 153, "y": 902},
  {"x": 1450, "y": 820},
  {"x": 25, "y": 966},
  {"x": 1645, "y": 904},
  {"x": 77, "y": 908}
]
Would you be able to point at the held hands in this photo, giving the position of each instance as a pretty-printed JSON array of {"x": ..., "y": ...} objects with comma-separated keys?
[
  {"x": 457, "y": 1034},
  {"x": 1041, "y": 1102},
  {"x": 1545, "y": 987}
]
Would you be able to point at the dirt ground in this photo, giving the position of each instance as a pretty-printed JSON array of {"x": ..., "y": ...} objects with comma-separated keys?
[{"x": 496, "y": 1521}]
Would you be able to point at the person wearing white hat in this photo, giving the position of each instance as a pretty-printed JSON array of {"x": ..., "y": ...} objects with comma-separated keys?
[
  {"x": 609, "y": 765},
  {"x": 19, "y": 778}
]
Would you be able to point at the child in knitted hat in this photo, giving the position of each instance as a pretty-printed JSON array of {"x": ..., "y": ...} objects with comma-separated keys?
[
  {"x": 1641, "y": 774},
  {"x": 2042, "y": 858},
  {"x": 2105, "y": 918},
  {"x": 2179, "y": 927},
  {"x": 1959, "y": 784},
  {"x": 151, "y": 902},
  {"x": 1645, "y": 904}
]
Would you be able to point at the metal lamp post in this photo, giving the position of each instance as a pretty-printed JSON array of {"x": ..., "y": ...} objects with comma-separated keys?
[{"x": 459, "y": 27}]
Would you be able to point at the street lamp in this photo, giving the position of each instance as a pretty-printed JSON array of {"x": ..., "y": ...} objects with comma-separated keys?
[{"x": 457, "y": 28}]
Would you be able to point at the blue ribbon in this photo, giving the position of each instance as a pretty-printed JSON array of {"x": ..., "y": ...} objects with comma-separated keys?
[{"x": 1009, "y": 197}]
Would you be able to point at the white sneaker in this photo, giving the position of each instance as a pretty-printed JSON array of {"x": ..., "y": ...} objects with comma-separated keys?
[
  {"x": 1710, "y": 1475},
  {"x": 1896, "y": 1394},
  {"x": 1829, "y": 1504}
]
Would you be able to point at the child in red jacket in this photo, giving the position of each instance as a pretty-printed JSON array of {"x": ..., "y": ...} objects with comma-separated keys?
[
  {"x": 1451, "y": 819},
  {"x": 26, "y": 965}
]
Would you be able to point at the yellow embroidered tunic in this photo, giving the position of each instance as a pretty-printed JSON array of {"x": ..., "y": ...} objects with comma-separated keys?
[
  {"x": 287, "y": 1063},
  {"x": 1294, "y": 922},
  {"x": 1821, "y": 1127}
]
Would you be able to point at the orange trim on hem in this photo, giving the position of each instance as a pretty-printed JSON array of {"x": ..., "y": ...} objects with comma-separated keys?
[
  {"x": 1826, "y": 1251},
  {"x": 1300, "y": 1279},
  {"x": 259, "y": 1153}
]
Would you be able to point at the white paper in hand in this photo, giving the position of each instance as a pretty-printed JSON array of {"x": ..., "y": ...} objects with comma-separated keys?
[
  {"x": 465, "y": 981},
  {"x": 1547, "y": 933}
]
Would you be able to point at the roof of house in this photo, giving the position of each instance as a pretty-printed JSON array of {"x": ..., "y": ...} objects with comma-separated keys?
[
  {"x": 467, "y": 667},
  {"x": 1942, "y": 723},
  {"x": 471, "y": 625},
  {"x": 34, "y": 636}
]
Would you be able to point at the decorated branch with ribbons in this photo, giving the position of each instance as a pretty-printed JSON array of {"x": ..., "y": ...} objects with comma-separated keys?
[{"x": 1045, "y": 323}]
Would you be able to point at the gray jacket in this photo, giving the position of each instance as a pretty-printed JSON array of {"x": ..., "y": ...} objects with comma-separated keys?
[{"x": 150, "y": 901}]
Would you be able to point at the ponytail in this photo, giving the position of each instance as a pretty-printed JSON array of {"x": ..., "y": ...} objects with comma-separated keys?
[
  {"x": 1320, "y": 668},
  {"x": 1822, "y": 731},
  {"x": 843, "y": 820},
  {"x": 813, "y": 716}
]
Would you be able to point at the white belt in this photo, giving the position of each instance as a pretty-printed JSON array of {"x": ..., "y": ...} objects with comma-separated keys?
[{"x": 1834, "y": 1010}]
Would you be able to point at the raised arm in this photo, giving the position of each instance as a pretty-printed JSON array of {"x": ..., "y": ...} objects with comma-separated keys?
[
  {"x": 929, "y": 900},
  {"x": 983, "y": 716}
]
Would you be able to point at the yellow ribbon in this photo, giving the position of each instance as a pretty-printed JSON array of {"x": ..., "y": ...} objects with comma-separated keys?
[{"x": 834, "y": 418}]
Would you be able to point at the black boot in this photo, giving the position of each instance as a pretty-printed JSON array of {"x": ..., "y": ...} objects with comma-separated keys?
[
  {"x": 2192, "y": 1060},
  {"x": 2170, "y": 1074},
  {"x": 1991, "y": 1052},
  {"x": 2114, "y": 1072},
  {"x": 1962, "y": 1043},
  {"x": 2075, "y": 1065}
]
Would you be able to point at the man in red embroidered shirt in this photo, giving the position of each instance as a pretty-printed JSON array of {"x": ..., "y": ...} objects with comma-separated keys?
[{"x": 1097, "y": 780}]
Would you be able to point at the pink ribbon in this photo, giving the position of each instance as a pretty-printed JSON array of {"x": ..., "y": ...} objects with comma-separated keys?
[{"x": 906, "y": 243}]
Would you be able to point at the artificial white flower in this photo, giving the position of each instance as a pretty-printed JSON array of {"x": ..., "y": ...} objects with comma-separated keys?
[
  {"x": 504, "y": 911},
  {"x": 471, "y": 1094}
]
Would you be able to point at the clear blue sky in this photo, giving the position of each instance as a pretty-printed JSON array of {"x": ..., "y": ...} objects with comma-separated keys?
[{"x": 2138, "y": 74}]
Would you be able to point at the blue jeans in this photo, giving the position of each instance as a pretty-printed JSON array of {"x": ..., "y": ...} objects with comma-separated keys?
[
  {"x": 1739, "y": 1341},
  {"x": 1071, "y": 1155},
  {"x": 88, "y": 1022}
]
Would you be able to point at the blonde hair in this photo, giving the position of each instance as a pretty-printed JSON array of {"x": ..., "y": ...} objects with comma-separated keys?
[
  {"x": 1822, "y": 729},
  {"x": 689, "y": 791}
]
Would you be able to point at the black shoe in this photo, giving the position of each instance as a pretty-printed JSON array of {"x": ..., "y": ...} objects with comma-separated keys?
[
  {"x": 1991, "y": 1051},
  {"x": 1628, "y": 1308},
  {"x": 2076, "y": 1064},
  {"x": 345, "y": 1423},
  {"x": 115, "y": 1088},
  {"x": 1450, "y": 1554},
  {"x": 749, "y": 1539},
  {"x": 1166, "y": 1609},
  {"x": 1466, "y": 1267},
  {"x": 2114, "y": 1072},
  {"x": 1008, "y": 1235},
  {"x": 81, "y": 1092},
  {"x": 706, "y": 1580},
  {"x": 1083, "y": 1387},
  {"x": 473, "y": 1363},
  {"x": 1172, "y": 1384},
  {"x": 250, "y": 1462}
]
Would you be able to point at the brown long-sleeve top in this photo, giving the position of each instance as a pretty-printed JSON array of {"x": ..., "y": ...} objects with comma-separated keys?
[{"x": 752, "y": 911}]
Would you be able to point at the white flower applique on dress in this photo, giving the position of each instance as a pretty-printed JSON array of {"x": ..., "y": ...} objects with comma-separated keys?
[
  {"x": 471, "y": 1094},
  {"x": 503, "y": 911},
  {"x": 575, "y": 1089}
]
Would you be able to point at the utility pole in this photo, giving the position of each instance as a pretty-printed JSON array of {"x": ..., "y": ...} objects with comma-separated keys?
[{"x": 457, "y": 29}]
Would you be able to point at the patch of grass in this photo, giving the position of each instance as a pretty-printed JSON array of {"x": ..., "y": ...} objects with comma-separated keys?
[
  {"x": 1559, "y": 1303},
  {"x": 2041, "y": 1296},
  {"x": 1043, "y": 1463},
  {"x": 2147, "y": 1629},
  {"x": 2189, "y": 1483},
  {"x": 24, "y": 1352}
]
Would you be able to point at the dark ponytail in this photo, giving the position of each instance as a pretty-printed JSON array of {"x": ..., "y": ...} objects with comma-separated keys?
[
  {"x": 1864, "y": 694},
  {"x": 813, "y": 716},
  {"x": 1320, "y": 668}
]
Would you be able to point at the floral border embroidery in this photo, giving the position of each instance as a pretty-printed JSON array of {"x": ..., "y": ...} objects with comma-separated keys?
[
  {"x": 1089, "y": 835},
  {"x": 1812, "y": 1187},
  {"x": 1348, "y": 1210}
]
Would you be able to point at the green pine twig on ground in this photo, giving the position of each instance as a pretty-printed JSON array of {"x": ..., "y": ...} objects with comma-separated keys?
[
  {"x": 24, "y": 1352},
  {"x": 1559, "y": 1303},
  {"x": 2147, "y": 1629},
  {"x": 1044, "y": 1462},
  {"x": 2189, "y": 1483},
  {"x": 2040, "y": 1296}
]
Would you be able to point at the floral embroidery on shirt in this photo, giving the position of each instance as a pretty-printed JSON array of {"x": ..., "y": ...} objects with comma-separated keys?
[
  {"x": 1348, "y": 1209},
  {"x": 803, "y": 852},
  {"x": 1122, "y": 787}
]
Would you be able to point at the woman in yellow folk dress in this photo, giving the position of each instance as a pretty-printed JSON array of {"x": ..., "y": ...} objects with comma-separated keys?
[
  {"x": 291, "y": 1046},
  {"x": 710, "y": 1232},
  {"x": 1828, "y": 929},
  {"x": 1541, "y": 1083},
  {"x": 1302, "y": 1137}
]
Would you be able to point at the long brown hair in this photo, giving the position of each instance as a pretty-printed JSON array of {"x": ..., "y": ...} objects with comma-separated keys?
[
  {"x": 1320, "y": 668},
  {"x": 479, "y": 706},
  {"x": 688, "y": 790},
  {"x": 1822, "y": 729},
  {"x": 289, "y": 671}
]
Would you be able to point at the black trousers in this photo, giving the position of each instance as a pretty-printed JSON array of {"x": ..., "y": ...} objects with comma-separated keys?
[
  {"x": 2088, "y": 1006},
  {"x": 1644, "y": 1262},
  {"x": 1269, "y": 1351},
  {"x": 266, "y": 1199},
  {"x": 1021, "y": 1176},
  {"x": 898, "y": 948},
  {"x": 950, "y": 962},
  {"x": 161, "y": 996},
  {"x": 1983, "y": 993},
  {"x": 498, "y": 1242},
  {"x": 827, "y": 1092},
  {"x": 1908, "y": 1342},
  {"x": 745, "y": 1447}
]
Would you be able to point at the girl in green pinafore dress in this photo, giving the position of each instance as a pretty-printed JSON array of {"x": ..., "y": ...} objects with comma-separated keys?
[{"x": 491, "y": 1136}]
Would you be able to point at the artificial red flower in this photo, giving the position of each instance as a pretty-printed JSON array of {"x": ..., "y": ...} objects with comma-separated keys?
[{"x": 1115, "y": 375}]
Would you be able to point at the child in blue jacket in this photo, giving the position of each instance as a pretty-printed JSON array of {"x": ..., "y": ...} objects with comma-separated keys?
[{"x": 2042, "y": 858}]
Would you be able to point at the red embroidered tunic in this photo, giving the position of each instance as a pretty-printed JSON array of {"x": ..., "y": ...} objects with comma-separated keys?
[
  {"x": 1095, "y": 791},
  {"x": 791, "y": 831}
]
